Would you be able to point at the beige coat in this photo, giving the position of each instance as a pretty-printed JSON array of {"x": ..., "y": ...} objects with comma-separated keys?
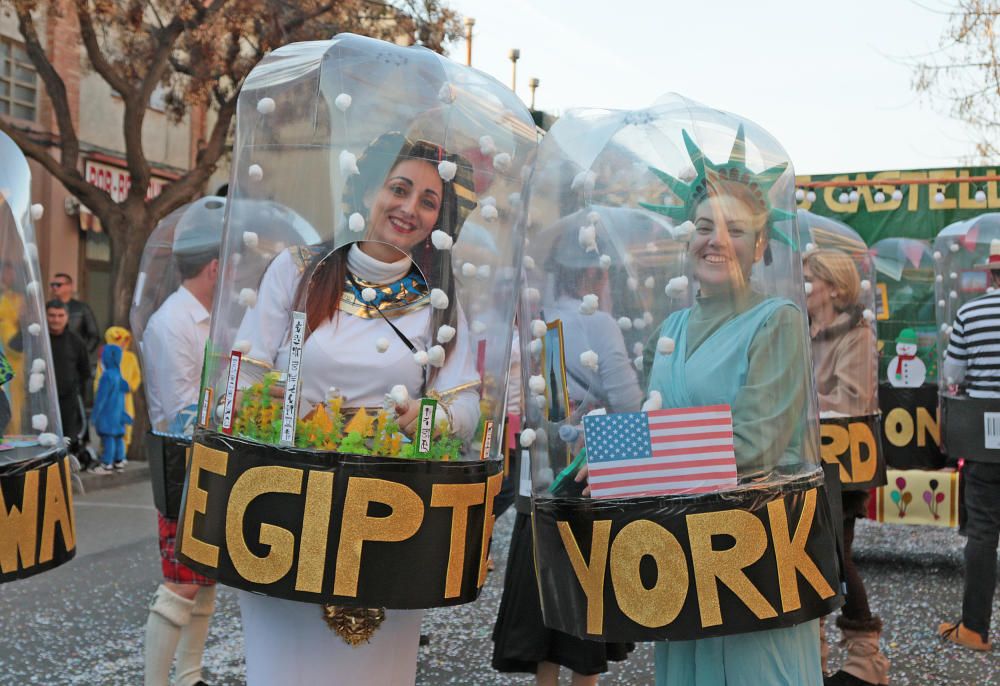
[{"x": 846, "y": 365}]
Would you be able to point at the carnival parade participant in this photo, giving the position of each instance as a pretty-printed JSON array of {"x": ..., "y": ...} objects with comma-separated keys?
[
  {"x": 173, "y": 345},
  {"x": 846, "y": 382},
  {"x": 130, "y": 371},
  {"x": 354, "y": 295},
  {"x": 971, "y": 364},
  {"x": 739, "y": 347},
  {"x": 522, "y": 642},
  {"x": 109, "y": 416}
]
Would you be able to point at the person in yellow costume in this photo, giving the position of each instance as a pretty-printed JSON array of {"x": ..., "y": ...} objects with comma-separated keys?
[
  {"x": 122, "y": 337},
  {"x": 11, "y": 304}
]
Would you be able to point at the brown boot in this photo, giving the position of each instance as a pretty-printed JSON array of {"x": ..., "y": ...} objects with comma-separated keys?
[{"x": 963, "y": 636}]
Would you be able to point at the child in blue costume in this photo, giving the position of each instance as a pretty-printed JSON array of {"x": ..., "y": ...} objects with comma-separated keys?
[
  {"x": 109, "y": 415},
  {"x": 738, "y": 347}
]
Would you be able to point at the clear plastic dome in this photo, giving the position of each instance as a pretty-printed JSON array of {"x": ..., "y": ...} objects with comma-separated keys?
[
  {"x": 840, "y": 300},
  {"x": 665, "y": 358},
  {"x": 35, "y": 469}
]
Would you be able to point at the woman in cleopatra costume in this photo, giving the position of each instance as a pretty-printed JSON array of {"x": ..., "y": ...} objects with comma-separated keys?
[{"x": 371, "y": 323}]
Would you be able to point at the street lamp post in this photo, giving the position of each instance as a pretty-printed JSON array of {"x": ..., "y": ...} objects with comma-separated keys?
[
  {"x": 469, "y": 23},
  {"x": 533, "y": 84},
  {"x": 514, "y": 56}
]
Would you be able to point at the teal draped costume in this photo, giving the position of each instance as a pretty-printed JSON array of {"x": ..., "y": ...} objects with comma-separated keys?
[{"x": 747, "y": 352}]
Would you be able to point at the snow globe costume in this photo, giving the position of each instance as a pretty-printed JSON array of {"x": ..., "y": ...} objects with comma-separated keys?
[
  {"x": 347, "y": 450},
  {"x": 726, "y": 442},
  {"x": 35, "y": 469}
]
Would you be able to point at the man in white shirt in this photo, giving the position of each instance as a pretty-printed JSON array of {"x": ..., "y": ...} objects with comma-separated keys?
[{"x": 173, "y": 347}]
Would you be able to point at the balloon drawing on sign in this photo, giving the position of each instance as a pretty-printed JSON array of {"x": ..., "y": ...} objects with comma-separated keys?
[
  {"x": 933, "y": 499},
  {"x": 900, "y": 497}
]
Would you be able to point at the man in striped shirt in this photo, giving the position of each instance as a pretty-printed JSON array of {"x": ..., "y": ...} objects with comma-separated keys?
[{"x": 973, "y": 361}]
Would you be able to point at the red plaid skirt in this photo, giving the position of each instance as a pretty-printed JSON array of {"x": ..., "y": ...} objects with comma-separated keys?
[{"x": 174, "y": 571}]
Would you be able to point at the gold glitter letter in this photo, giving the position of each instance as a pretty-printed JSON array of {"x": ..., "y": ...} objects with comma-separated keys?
[
  {"x": 252, "y": 483},
  {"x": 20, "y": 527},
  {"x": 315, "y": 528},
  {"x": 791, "y": 553},
  {"x": 590, "y": 574},
  {"x": 862, "y": 439},
  {"x": 210, "y": 460},
  {"x": 459, "y": 497},
  {"x": 56, "y": 512},
  {"x": 834, "y": 442},
  {"x": 492, "y": 488},
  {"x": 657, "y": 606}
]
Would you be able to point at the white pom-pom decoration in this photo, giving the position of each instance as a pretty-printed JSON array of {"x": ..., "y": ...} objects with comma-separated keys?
[
  {"x": 593, "y": 217},
  {"x": 37, "y": 365},
  {"x": 36, "y": 382},
  {"x": 937, "y": 254},
  {"x": 468, "y": 269},
  {"x": 897, "y": 195},
  {"x": 48, "y": 440},
  {"x": 584, "y": 181},
  {"x": 532, "y": 295},
  {"x": 483, "y": 272},
  {"x": 502, "y": 162},
  {"x": 348, "y": 163},
  {"x": 486, "y": 145},
  {"x": 478, "y": 326},
  {"x": 810, "y": 247},
  {"x": 435, "y": 355},
  {"x": 33, "y": 288},
  {"x": 953, "y": 295},
  {"x": 944, "y": 328},
  {"x": 647, "y": 317},
  {"x": 421, "y": 357},
  {"x": 604, "y": 261},
  {"x": 866, "y": 285},
  {"x": 939, "y": 197},
  {"x": 868, "y": 315},
  {"x": 939, "y": 278},
  {"x": 677, "y": 287},
  {"x": 34, "y": 328},
  {"x": 665, "y": 345},
  {"x": 624, "y": 323},
  {"x": 342, "y": 101},
  {"x": 807, "y": 287},
  {"x": 39, "y": 422},
  {"x": 242, "y": 346},
  {"x": 356, "y": 222},
  {"x": 529, "y": 262},
  {"x": 446, "y": 94},
  {"x": 953, "y": 276},
  {"x": 445, "y": 333},
  {"x": 265, "y": 105},
  {"x": 953, "y": 247},
  {"x": 980, "y": 195},
  {"x": 879, "y": 197},
  {"x": 441, "y": 240},
  {"x": 527, "y": 438},
  {"x": 650, "y": 282},
  {"x": 540, "y": 400},
  {"x": 255, "y": 172},
  {"x": 489, "y": 200},
  {"x": 382, "y": 344},
  {"x": 800, "y": 195},
  {"x": 247, "y": 297},
  {"x": 37, "y": 210},
  {"x": 942, "y": 303},
  {"x": 633, "y": 283},
  {"x": 843, "y": 198},
  {"x": 654, "y": 401},
  {"x": 639, "y": 324},
  {"x": 538, "y": 328},
  {"x": 250, "y": 239},
  {"x": 589, "y": 304},
  {"x": 811, "y": 196},
  {"x": 588, "y": 237},
  {"x": 447, "y": 170},
  {"x": 637, "y": 363},
  {"x": 682, "y": 232},
  {"x": 439, "y": 299},
  {"x": 489, "y": 213},
  {"x": 589, "y": 359},
  {"x": 536, "y": 384},
  {"x": 368, "y": 294},
  {"x": 853, "y": 195},
  {"x": 637, "y": 348},
  {"x": 535, "y": 347}
]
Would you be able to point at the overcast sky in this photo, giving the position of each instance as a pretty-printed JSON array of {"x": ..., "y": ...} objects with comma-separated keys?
[{"x": 830, "y": 80}]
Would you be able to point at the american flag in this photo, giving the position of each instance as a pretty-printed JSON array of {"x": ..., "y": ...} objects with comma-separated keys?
[{"x": 685, "y": 450}]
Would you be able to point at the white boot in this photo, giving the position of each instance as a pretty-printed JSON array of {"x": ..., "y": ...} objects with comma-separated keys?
[
  {"x": 168, "y": 615},
  {"x": 192, "y": 643}
]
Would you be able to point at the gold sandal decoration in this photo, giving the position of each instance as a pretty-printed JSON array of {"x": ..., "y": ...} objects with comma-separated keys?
[{"x": 356, "y": 625}]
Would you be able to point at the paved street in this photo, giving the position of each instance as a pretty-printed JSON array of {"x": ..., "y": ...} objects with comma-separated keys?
[{"x": 83, "y": 623}]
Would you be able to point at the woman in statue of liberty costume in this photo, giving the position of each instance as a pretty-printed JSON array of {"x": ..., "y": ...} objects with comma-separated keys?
[{"x": 739, "y": 347}]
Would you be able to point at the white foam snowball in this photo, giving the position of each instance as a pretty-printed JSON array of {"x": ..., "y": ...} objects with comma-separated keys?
[
  {"x": 589, "y": 359},
  {"x": 265, "y": 105},
  {"x": 489, "y": 213},
  {"x": 650, "y": 282},
  {"x": 356, "y": 222},
  {"x": 637, "y": 363},
  {"x": 242, "y": 346},
  {"x": 382, "y": 344},
  {"x": 800, "y": 195},
  {"x": 939, "y": 197},
  {"x": 866, "y": 285},
  {"x": 447, "y": 170},
  {"x": 604, "y": 261},
  {"x": 654, "y": 401},
  {"x": 637, "y": 348},
  {"x": 810, "y": 247},
  {"x": 868, "y": 315},
  {"x": 255, "y": 172},
  {"x": 441, "y": 240},
  {"x": 647, "y": 316},
  {"x": 439, "y": 299},
  {"x": 37, "y": 365},
  {"x": 250, "y": 239},
  {"x": 682, "y": 232},
  {"x": 939, "y": 278},
  {"x": 953, "y": 247},
  {"x": 633, "y": 283},
  {"x": 843, "y": 198},
  {"x": 37, "y": 210},
  {"x": 33, "y": 288},
  {"x": 980, "y": 195},
  {"x": 589, "y": 304},
  {"x": 34, "y": 328},
  {"x": 665, "y": 345},
  {"x": 942, "y": 302},
  {"x": 486, "y": 145},
  {"x": 368, "y": 294},
  {"x": 435, "y": 355},
  {"x": 944, "y": 328},
  {"x": 348, "y": 163},
  {"x": 36, "y": 382},
  {"x": 937, "y": 254},
  {"x": 953, "y": 276},
  {"x": 588, "y": 237},
  {"x": 39, "y": 422},
  {"x": 624, "y": 323},
  {"x": 879, "y": 197},
  {"x": 342, "y": 101},
  {"x": 535, "y": 346},
  {"x": 502, "y": 162},
  {"x": 247, "y": 297},
  {"x": 677, "y": 286},
  {"x": 488, "y": 200},
  {"x": 529, "y": 262},
  {"x": 538, "y": 328},
  {"x": 807, "y": 287},
  {"x": 483, "y": 272},
  {"x": 478, "y": 326},
  {"x": 639, "y": 324},
  {"x": 445, "y": 333},
  {"x": 527, "y": 438},
  {"x": 468, "y": 269},
  {"x": 953, "y": 295},
  {"x": 593, "y": 217},
  {"x": 48, "y": 440},
  {"x": 536, "y": 384},
  {"x": 421, "y": 358}
]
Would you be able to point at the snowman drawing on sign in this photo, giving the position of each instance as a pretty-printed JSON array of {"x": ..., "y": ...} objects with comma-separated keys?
[{"x": 906, "y": 370}]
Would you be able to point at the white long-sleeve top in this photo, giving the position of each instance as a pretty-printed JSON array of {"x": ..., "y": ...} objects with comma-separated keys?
[{"x": 341, "y": 352}]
